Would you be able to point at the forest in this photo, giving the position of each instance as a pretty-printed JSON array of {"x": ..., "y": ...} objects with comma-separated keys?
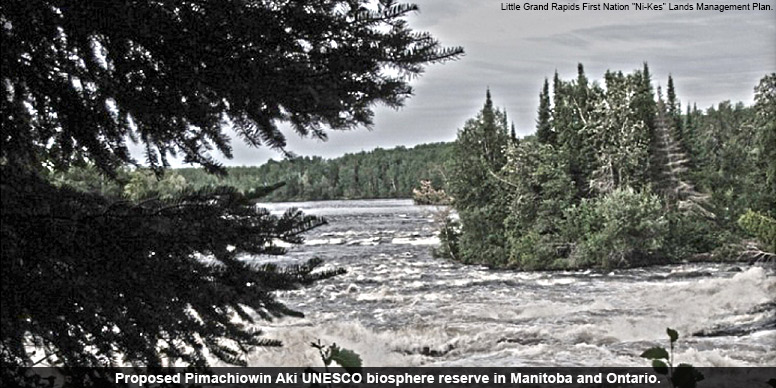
[
  {"x": 617, "y": 174},
  {"x": 111, "y": 258},
  {"x": 105, "y": 263},
  {"x": 379, "y": 173}
]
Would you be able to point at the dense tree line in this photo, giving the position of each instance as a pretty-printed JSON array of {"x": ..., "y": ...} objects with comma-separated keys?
[
  {"x": 141, "y": 273},
  {"x": 380, "y": 173},
  {"x": 616, "y": 175}
]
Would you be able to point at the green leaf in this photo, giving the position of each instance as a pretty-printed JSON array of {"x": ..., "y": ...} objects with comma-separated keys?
[
  {"x": 346, "y": 358},
  {"x": 672, "y": 334},
  {"x": 655, "y": 353},
  {"x": 660, "y": 367}
]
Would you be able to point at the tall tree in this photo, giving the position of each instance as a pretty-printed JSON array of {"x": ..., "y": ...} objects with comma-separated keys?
[
  {"x": 644, "y": 106},
  {"x": 478, "y": 156},
  {"x": 544, "y": 130},
  {"x": 674, "y": 111},
  {"x": 644, "y": 102},
  {"x": 671, "y": 162},
  {"x": 765, "y": 109},
  {"x": 569, "y": 118},
  {"x": 82, "y": 77},
  {"x": 642, "y": 205},
  {"x": 538, "y": 190},
  {"x": 618, "y": 136},
  {"x": 92, "y": 281},
  {"x": 673, "y": 106}
]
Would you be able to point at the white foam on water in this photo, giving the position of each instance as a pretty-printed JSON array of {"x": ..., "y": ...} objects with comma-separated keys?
[
  {"x": 396, "y": 300},
  {"x": 416, "y": 240},
  {"x": 376, "y": 348},
  {"x": 325, "y": 241}
]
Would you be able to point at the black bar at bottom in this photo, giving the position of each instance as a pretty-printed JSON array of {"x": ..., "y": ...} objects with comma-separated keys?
[{"x": 413, "y": 377}]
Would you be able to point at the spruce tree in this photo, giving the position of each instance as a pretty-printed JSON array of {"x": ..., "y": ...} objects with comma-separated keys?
[
  {"x": 644, "y": 103},
  {"x": 765, "y": 121},
  {"x": 91, "y": 280},
  {"x": 569, "y": 118},
  {"x": 544, "y": 130},
  {"x": 582, "y": 89},
  {"x": 674, "y": 108},
  {"x": 670, "y": 163},
  {"x": 82, "y": 77},
  {"x": 478, "y": 156}
]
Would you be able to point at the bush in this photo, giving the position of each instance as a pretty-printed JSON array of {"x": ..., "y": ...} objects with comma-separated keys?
[
  {"x": 692, "y": 235},
  {"x": 623, "y": 228},
  {"x": 449, "y": 233},
  {"x": 428, "y": 195},
  {"x": 761, "y": 227}
]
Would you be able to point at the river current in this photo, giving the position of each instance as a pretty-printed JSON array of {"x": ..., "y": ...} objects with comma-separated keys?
[{"x": 399, "y": 306}]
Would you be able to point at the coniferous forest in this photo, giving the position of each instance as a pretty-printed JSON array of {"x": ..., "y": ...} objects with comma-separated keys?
[
  {"x": 112, "y": 258},
  {"x": 616, "y": 175},
  {"x": 105, "y": 271},
  {"x": 380, "y": 173}
]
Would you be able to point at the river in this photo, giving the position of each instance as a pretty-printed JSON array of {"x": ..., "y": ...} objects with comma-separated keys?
[{"x": 399, "y": 306}]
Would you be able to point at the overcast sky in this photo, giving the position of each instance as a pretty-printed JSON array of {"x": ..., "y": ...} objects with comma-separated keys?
[{"x": 712, "y": 56}]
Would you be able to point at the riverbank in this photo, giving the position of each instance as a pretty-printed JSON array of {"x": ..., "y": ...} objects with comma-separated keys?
[{"x": 399, "y": 306}]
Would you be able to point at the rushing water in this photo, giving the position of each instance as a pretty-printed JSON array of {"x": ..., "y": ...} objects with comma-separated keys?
[{"x": 399, "y": 306}]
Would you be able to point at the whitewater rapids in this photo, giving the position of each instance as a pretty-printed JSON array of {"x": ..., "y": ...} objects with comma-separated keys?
[{"x": 399, "y": 306}]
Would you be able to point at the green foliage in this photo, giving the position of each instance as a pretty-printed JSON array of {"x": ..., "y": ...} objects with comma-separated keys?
[
  {"x": 621, "y": 229},
  {"x": 92, "y": 277},
  {"x": 615, "y": 177},
  {"x": 544, "y": 131},
  {"x": 643, "y": 102},
  {"x": 620, "y": 137},
  {"x": 449, "y": 234},
  {"x": 680, "y": 376},
  {"x": 761, "y": 227},
  {"x": 128, "y": 282},
  {"x": 765, "y": 122},
  {"x": 347, "y": 359},
  {"x": 692, "y": 235},
  {"x": 380, "y": 173},
  {"x": 169, "y": 75},
  {"x": 541, "y": 189},
  {"x": 674, "y": 112},
  {"x": 570, "y": 203},
  {"x": 89, "y": 179},
  {"x": 569, "y": 115},
  {"x": 673, "y": 335},
  {"x": 144, "y": 184},
  {"x": 723, "y": 141},
  {"x": 426, "y": 194},
  {"x": 478, "y": 155}
]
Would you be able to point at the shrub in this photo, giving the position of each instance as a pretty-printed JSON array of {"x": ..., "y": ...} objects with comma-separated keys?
[
  {"x": 761, "y": 227},
  {"x": 623, "y": 228}
]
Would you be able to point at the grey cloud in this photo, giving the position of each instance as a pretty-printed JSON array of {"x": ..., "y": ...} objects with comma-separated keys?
[{"x": 712, "y": 57}]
